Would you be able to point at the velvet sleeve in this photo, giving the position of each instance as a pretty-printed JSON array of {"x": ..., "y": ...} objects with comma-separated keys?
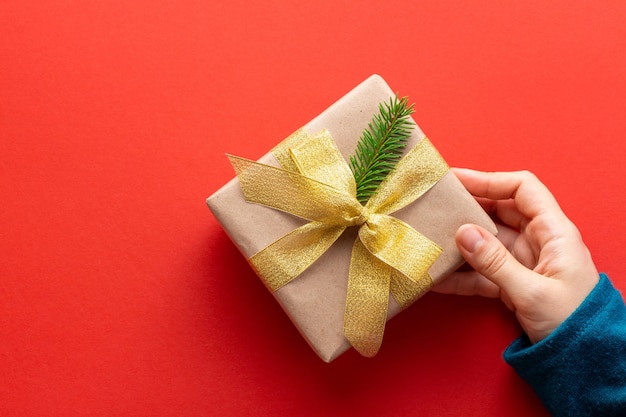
[{"x": 580, "y": 369}]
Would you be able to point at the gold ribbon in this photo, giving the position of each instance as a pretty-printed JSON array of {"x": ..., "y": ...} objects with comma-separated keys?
[{"x": 316, "y": 184}]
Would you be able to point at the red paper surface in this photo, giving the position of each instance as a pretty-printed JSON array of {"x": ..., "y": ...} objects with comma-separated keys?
[{"x": 121, "y": 295}]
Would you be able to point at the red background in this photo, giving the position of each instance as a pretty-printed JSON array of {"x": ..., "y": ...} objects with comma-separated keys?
[{"x": 121, "y": 295}]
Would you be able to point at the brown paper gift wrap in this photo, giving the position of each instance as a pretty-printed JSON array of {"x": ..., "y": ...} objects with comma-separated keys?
[{"x": 315, "y": 300}]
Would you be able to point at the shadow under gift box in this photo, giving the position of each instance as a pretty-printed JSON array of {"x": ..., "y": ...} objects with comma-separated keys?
[{"x": 315, "y": 300}]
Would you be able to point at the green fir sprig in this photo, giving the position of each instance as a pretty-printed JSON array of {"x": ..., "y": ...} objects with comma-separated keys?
[{"x": 381, "y": 146}]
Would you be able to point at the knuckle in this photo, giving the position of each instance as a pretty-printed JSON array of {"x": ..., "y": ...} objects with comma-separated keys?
[{"x": 528, "y": 176}]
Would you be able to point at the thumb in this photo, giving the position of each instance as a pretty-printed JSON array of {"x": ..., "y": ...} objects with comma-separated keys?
[{"x": 488, "y": 256}]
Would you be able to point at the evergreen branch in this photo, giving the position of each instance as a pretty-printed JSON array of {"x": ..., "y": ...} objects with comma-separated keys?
[{"x": 381, "y": 146}]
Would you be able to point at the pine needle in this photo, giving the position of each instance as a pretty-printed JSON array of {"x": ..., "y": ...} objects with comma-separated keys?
[{"x": 381, "y": 146}]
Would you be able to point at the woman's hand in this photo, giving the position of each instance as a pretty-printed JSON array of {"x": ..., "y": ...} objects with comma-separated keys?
[{"x": 538, "y": 265}]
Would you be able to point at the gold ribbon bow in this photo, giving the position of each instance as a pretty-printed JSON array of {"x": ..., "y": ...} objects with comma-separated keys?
[{"x": 316, "y": 184}]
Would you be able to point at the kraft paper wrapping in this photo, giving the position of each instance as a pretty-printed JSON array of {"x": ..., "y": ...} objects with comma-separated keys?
[{"x": 315, "y": 300}]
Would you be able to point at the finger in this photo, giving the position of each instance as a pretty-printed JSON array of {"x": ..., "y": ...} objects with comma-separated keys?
[
  {"x": 504, "y": 211},
  {"x": 521, "y": 200},
  {"x": 532, "y": 198},
  {"x": 488, "y": 256},
  {"x": 467, "y": 283}
]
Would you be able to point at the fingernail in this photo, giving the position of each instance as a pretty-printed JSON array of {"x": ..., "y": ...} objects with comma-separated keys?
[{"x": 470, "y": 238}]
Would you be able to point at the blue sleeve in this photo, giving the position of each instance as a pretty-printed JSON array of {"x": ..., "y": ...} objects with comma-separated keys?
[{"x": 580, "y": 369}]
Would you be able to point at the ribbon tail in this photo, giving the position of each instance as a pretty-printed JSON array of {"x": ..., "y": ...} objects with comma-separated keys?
[
  {"x": 289, "y": 256},
  {"x": 367, "y": 301},
  {"x": 406, "y": 291}
]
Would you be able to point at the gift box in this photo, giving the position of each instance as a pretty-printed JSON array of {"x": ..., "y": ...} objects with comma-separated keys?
[{"x": 322, "y": 302}]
